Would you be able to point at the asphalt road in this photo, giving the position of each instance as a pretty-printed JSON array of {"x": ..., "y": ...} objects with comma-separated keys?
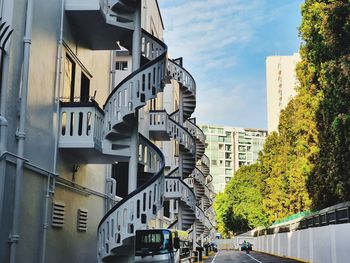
[{"x": 241, "y": 257}]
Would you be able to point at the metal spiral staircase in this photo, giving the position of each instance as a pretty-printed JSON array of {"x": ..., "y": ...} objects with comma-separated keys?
[{"x": 105, "y": 135}]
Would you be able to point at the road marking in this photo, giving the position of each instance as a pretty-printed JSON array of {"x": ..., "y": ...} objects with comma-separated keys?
[
  {"x": 253, "y": 258},
  {"x": 214, "y": 257}
]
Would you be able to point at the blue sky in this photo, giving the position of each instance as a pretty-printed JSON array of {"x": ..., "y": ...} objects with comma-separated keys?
[{"x": 224, "y": 44}]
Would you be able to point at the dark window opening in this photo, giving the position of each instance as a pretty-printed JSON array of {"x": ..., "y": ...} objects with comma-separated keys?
[
  {"x": 69, "y": 79},
  {"x": 84, "y": 88},
  {"x": 121, "y": 65}
]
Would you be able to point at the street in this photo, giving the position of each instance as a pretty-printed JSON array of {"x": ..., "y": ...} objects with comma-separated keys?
[{"x": 242, "y": 257}]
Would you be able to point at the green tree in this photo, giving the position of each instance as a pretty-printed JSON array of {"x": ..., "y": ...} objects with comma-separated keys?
[
  {"x": 244, "y": 191},
  {"x": 325, "y": 72}
]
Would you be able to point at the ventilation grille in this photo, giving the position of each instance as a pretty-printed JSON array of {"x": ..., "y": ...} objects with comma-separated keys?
[
  {"x": 82, "y": 219},
  {"x": 58, "y": 213}
]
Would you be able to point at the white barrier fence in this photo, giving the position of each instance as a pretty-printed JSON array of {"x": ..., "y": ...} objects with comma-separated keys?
[{"x": 326, "y": 244}]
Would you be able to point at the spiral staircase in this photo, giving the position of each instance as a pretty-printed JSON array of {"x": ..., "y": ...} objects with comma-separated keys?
[{"x": 105, "y": 135}]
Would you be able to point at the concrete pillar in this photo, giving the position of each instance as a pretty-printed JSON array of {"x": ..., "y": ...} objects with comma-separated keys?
[
  {"x": 194, "y": 236},
  {"x": 179, "y": 216},
  {"x": 136, "y": 55}
]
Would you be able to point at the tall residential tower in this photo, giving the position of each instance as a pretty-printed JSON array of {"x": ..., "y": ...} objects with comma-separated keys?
[
  {"x": 229, "y": 148},
  {"x": 281, "y": 83}
]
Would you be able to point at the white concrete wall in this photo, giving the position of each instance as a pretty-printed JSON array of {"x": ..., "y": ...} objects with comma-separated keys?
[{"x": 328, "y": 244}]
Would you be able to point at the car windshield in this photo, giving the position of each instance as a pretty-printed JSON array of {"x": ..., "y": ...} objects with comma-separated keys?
[{"x": 153, "y": 241}]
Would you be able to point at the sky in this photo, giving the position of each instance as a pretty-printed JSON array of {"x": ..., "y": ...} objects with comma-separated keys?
[{"x": 224, "y": 45}]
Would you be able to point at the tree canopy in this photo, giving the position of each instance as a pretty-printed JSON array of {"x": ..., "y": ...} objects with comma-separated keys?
[{"x": 306, "y": 164}]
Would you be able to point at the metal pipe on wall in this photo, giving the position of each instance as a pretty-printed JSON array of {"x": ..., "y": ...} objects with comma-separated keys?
[
  {"x": 3, "y": 148},
  {"x": 57, "y": 94},
  {"x": 58, "y": 77},
  {"x": 20, "y": 134},
  {"x": 5, "y": 62}
]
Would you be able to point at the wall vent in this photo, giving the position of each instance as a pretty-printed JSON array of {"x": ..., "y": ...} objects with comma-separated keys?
[
  {"x": 58, "y": 213},
  {"x": 82, "y": 219}
]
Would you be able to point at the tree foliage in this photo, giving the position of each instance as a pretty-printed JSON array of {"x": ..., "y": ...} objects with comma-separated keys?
[
  {"x": 306, "y": 164},
  {"x": 325, "y": 30}
]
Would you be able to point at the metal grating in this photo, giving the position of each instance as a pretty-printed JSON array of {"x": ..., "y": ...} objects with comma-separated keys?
[
  {"x": 58, "y": 213},
  {"x": 82, "y": 219}
]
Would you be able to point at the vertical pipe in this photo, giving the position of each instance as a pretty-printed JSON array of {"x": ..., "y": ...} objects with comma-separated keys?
[
  {"x": 21, "y": 131},
  {"x": 58, "y": 85},
  {"x": 3, "y": 139},
  {"x": 45, "y": 224},
  {"x": 136, "y": 61},
  {"x": 57, "y": 93}
]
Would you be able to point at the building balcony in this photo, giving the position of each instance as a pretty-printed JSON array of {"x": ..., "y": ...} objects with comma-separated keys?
[
  {"x": 99, "y": 24},
  {"x": 81, "y": 135},
  {"x": 158, "y": 129},
  {"x": 162, "y": 127},
  {"x": 177, "y": 189},
  {"x": 80, "y": 131}
]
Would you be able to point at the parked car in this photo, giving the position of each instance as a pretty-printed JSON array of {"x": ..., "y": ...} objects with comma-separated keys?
[{"x": 246, "y": 246}]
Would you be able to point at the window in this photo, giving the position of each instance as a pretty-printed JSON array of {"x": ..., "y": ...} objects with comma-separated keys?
[
  {"x": 121, "y": 65},
  {"x": 84, "y": 88},
  {"x": 214, "y": 162},
  {"x": 69, "y": 76},
  {"x": 228, "y": 164},
  {"x": 71, "y": 92},
  {"x": 227, "y": 179}
]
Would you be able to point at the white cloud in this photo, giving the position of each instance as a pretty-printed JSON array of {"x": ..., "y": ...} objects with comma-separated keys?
[{"x": 207, "y": 34}]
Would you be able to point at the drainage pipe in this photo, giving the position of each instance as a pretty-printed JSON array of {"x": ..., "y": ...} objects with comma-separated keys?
[
  {"x": 58, "y": 78},
  {"x": 3, "y": 145},
  {"x": 56, "y": 132},
  {"x": 14, "y": 236},
  {"x": 5, "y": 62}
]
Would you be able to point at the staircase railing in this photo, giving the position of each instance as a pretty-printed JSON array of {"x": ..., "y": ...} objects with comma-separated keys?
[{"x": 134, "y": 211}]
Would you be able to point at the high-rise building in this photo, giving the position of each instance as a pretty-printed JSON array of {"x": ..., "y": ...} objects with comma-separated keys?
[
  {"x": 97, "y": 139},
  {"x": 281, "y": 83},
  {"x": 229, "y": 148}
]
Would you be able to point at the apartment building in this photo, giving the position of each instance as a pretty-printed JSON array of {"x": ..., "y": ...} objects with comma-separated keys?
[
  {"x": 281, "y": 83},
  {"x": 97, "y": 140},
  {"x": 229, "y": 148}
]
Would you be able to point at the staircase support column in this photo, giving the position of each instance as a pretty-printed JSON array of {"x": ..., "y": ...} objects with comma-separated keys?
[
  {"x": 136, "y": 58},
  {"x": 194, "y": 236},
  {"x": 179, "y": 216}
]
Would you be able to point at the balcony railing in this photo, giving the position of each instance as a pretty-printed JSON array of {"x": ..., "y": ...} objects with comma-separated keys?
[
  {"x": 161, "y": 123},
  {"x": 175, "y": 188},
  {"x": 202, "y": 218},
  {"x": 81, "y": 125},
  {"x": 195, "y": 131},
  {"x": 182, "y": 76},
  {"x": 198, "y": 176}
]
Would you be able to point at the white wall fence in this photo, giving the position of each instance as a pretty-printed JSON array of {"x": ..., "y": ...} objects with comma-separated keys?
[{"x": 326, "y": 244}]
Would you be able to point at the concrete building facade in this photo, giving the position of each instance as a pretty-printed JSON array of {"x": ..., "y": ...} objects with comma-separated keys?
[
  {"x": 96, "y": 135},
  {"x": 281, "y": 83},
  {"x": 229, "y": 148}
]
